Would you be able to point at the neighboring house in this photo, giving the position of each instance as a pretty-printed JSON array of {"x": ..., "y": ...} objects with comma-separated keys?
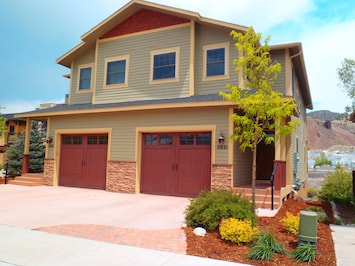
[
  {"x": 144, "y": 114},
  {"x": 13, "y": 127}
]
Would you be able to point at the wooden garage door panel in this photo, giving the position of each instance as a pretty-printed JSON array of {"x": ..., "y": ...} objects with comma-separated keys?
[
  {"x": 194, "y": 171},
  {"x": 157, "y": 179},
  {"x": 71, "y": 170},
  {"x": 96, "y": 158}
]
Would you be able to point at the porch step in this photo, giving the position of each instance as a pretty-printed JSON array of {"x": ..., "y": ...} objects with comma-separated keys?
[
  {"x": 263, "y": 197},
  {"x": 29, "y": 179}
]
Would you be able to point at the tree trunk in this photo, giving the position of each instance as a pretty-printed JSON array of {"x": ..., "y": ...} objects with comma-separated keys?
[{"x": 253, "y": 180}]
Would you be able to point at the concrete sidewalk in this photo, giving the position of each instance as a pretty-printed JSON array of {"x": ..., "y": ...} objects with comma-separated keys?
[
  {"x": 344, "y": 244},
  {"x": 19, "y": 246}
]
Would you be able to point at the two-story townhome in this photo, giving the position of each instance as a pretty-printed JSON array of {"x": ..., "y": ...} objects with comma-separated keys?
[
  {"x": 14, "y": 126},
  {"x": 144, "y": 113}
]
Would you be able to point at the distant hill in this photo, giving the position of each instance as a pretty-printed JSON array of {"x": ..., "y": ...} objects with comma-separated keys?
[
  {"x": 330, "y": 131},
  {"x": 325, "y": 115}
]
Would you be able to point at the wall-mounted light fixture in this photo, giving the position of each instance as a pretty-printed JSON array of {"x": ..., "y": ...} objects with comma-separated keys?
[
  {"x": 221, "y": 139},
  {"x": 49, "y": 140}
]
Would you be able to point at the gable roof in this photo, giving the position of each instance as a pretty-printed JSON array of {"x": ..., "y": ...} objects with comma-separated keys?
[
  {"x": 296, "y": 55},
  {"x": 132, "y": 7}
]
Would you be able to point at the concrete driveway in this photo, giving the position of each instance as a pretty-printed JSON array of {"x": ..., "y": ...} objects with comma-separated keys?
[{"x": 44, "y": 206}]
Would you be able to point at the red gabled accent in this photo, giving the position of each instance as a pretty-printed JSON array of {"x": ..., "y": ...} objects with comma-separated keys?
[{"x": 144, "y": 20}]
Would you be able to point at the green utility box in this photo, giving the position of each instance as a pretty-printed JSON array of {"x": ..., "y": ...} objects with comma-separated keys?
[{"x": 308, "y": 227}]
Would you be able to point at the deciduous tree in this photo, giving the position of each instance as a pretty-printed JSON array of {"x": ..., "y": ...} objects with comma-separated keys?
[
  {"x": 346, "y": 75},
  {"x": 259, "y": 107}
]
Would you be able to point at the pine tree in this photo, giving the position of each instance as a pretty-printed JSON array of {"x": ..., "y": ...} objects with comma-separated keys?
[
  {"x": 37, "y": 149},
  {"x": 14, "y": 156}
]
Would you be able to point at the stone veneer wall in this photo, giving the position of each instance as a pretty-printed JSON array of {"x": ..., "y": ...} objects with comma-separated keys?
[
  {"x": 48, "y": 172},
  {"x": 221, "y": 176},
  {"x": 121, "y": 176}
]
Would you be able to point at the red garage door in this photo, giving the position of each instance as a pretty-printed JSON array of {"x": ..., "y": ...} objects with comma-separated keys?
[
  {"x": 83, "y": 161},
  {"x": 177, "y": 164}
]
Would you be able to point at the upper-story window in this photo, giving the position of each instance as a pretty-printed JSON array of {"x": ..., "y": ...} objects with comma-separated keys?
[
  {"x": 215, "y": 61},
  {"x": 116, "y": 72},
  {"x": 85, "y": 73},
  {"x": 12, "y": 130},
  {"x": 164, "y": 65}
]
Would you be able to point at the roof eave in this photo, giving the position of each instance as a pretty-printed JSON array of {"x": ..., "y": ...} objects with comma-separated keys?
[{"x": 44, "y": 115}]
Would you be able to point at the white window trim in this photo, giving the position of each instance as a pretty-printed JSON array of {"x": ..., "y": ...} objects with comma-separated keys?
[
  {"x": 205, "y": 48},
  {"x": 78, "y": 90},
  {"x": 175, "y": 50},
  {"x": 112, "y": 59}
]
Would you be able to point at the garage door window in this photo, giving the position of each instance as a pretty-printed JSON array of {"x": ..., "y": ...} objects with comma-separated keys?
[
  {"x": 166, "y": 140},
  {"x": 151, "y": 139},
  {"x": 186, "y": 139},
  {"x": 69, "y": 140},
  {"x": 103, "y": 140},
  {"x": 77, "y": 140},
  {"x": 203, "y": 139}
]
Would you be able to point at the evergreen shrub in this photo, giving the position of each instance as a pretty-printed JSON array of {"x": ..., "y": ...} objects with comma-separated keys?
[{"x": 209, "y": 207}]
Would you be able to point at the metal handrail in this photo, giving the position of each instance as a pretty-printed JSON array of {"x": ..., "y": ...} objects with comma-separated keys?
[{"x": 6, "y": 172}]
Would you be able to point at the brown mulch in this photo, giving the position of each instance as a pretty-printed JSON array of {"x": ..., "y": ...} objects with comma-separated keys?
[{"x": 211, "y": 246}]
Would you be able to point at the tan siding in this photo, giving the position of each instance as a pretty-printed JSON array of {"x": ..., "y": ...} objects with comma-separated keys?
[
  {"x": 243, "y": 162},
  {"x": 138, "y": 47},
  {"x": 280, "y": 82},
  {"x": 77, "y": 98},
  {"x": 124, "y": 126},
  {"x": 209, "y": 36},
  {"x": 301, "y": 134}
]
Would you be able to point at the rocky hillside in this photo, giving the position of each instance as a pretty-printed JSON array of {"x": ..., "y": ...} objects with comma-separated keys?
[{"x": 330, "y": 131}]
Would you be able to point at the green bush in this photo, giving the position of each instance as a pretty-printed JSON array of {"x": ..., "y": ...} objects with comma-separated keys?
[
  {"x": 265, "y": 247},
  {"x": 337, "y": 187},
  {"x": 321, "y": 215},
  {"x": 209, "y": 207},
  {"x": 237, "y": 231},
  {"x": 304, "y": 253}
]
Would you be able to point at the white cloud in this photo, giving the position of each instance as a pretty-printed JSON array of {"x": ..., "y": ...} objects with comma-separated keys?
[
  {"x": 21, "y": 106},
  {"x": 324, "y": 49},
  {"x": 262, "y": 15}
]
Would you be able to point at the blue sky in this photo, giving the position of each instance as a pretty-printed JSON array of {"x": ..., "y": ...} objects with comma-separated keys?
[{"x": 35, "y": 33}]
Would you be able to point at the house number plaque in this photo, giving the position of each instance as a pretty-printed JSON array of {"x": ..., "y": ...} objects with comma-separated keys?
[{"x": 222, "y": 147}]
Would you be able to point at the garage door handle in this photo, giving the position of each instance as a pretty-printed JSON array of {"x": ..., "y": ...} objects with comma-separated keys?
[{"x": 175, "y": 167}]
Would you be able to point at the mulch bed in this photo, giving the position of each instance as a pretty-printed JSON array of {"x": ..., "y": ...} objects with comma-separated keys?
[{"x": 211, "y": 245}]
